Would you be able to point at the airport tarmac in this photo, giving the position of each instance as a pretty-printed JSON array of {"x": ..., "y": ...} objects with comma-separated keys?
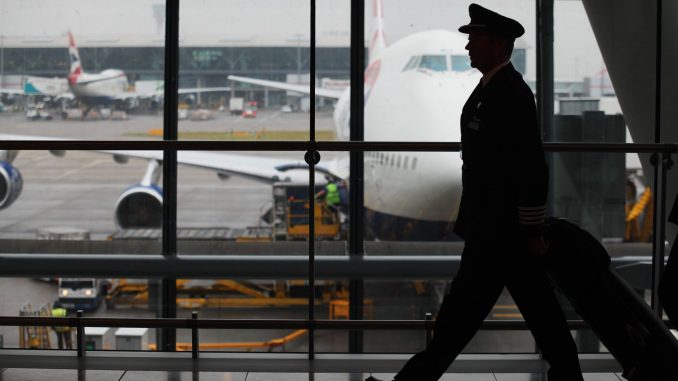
[
  {"x": 87, "y": 181},
  {"x": 80, "y": 190},
  {"x": 137, "y": 127}
]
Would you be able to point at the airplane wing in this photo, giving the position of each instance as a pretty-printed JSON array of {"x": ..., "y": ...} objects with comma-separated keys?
[
  {"x": 261, "y": 168},
  {"x": 256, "y": 167},
  {"x": 12, "y": 91},
  {"x": 195, "y": 90},
  {"x": 325, "y": 93}
]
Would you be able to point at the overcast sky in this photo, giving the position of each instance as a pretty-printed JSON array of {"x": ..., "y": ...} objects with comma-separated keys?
[{"x": 576, "y": 52}]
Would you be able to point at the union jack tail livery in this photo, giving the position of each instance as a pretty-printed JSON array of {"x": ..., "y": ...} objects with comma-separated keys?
[
  {"x": 76, "y": 67},
  {"x": 378, "y": 38}
]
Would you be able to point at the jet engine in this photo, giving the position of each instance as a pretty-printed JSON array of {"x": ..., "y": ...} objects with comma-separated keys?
[
  {"x": 139, "y": 207},
  {"x": 11, "y": 184}
]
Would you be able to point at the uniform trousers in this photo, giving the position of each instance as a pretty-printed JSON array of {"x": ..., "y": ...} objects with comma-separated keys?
[{"x": 487, "y": 266}]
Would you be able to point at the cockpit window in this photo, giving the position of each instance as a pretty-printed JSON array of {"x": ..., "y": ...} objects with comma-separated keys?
[
  {"x": 461, "y": 63},
  {"x": 435, "y": 63},
  {"x": 412, "y": 63}
]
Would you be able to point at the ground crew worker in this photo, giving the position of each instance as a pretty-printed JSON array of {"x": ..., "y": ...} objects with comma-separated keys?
[
  {"x": 63, "y": 333},
  {"x": 331, "y": 195},
  {"x": 503, "y": 206}
]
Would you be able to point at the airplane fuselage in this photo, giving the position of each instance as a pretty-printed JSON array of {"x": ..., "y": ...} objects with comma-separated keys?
[
  {"x": 414, "y": 195},
  {"x": 101, "y": 88}
]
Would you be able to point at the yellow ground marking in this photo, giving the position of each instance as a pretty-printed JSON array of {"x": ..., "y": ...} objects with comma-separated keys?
[
  {"x": 508, "y": 315},
  {"x": 241, "y": 135}
]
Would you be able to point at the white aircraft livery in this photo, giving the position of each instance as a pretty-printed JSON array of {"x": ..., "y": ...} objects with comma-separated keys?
[{"x": 414, "y": 91}]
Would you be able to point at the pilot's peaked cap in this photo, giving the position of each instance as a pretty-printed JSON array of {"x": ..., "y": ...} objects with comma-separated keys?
[{"x": 493, "y": 22}]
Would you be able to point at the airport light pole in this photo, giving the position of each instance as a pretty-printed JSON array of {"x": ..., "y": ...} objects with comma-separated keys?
[{"x": 299, "y": 38}]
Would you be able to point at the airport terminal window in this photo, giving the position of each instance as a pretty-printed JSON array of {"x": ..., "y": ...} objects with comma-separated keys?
[{"x": 595, "y": 190}]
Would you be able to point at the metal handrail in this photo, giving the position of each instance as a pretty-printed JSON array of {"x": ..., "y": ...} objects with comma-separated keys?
[
  {"x": 242, "y": 266},
  {"x": 194, "y": 324},
  {"x": 303, "y": 146},
  {"x": 321, "y": 324}
]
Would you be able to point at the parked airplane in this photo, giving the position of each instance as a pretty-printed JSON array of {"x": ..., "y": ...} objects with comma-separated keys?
[
  {"x": 414, "y": 91},
  {"x": 104, "y": 89}
]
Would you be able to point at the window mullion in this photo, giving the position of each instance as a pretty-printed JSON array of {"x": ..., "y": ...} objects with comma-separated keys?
[{"x": 169, "y": 209}]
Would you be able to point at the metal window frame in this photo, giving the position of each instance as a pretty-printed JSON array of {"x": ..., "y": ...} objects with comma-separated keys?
[{"x": 171, "y": 145}]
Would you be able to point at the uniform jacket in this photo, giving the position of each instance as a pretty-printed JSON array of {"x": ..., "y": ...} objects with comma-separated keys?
[{"x": 504, "y": 175}]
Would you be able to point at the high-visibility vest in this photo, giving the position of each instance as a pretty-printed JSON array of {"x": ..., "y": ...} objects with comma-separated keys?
[
  {"x": 332, "y": 196},
  {"x": 60, "y": 312}
]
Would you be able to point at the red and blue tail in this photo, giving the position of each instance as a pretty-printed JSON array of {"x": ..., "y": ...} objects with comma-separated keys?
[{"x": 76, "y": 66}]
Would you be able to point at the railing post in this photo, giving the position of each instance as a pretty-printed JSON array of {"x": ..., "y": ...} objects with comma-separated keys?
[
  {"x": 195, "y": 341},
  {"x": 429, "y": 332},
  {"x": 80, "y": 334}
]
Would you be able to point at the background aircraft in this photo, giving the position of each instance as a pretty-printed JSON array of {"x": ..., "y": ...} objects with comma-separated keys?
[{"x": 104, "y": 89}]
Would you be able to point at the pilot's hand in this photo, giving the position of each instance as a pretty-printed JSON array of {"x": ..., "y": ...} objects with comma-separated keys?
[{"x": 537, "y": 246}]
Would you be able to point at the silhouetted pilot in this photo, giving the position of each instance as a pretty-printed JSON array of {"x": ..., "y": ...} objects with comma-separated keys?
[{"x": 505, "y": 181}]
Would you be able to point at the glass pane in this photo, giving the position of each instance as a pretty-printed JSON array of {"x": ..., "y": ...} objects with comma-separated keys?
[
  {"x": 594, "y": 190},
  {"x": 244, "y": 70},
  {"x": 79, "y": 75},
  {"x": 244, "y": 203},
  {"x": 61, "y": 297},
  {"x": 242, "y": 199},
  {"x": 412, "y": 196},
  {"x": 82, "y": 202},
  {"x": 614, "y": 204},
  {"x": 419, "y": 76}
]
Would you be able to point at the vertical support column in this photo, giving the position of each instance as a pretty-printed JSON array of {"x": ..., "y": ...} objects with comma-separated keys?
[
  {"x": 195, "y": 340},
  {"x": 659, "y": 241},
  {"x": 356, "y": 190},
  {"x": 657, "y": 162},
  {"x": 167, "y": 338},
  {"x": 545, "y": 85},
  {"x": 312, "y": 158},
  {"x": 545, "y": 67}
]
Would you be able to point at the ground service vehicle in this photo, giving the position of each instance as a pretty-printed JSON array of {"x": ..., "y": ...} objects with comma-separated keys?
[
  {"x": 81, "y": 293},
  {"x": 236, "y": 105},
  {"x": 250, "y": 110}
]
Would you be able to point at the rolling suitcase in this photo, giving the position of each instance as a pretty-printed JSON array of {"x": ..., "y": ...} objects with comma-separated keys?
[{"x": 579, "y": 266}]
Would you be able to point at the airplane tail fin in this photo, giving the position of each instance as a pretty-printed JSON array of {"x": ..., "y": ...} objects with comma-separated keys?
[
  {"x": 378, "y": 38},
  {"x": 76, "y": 66}
]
